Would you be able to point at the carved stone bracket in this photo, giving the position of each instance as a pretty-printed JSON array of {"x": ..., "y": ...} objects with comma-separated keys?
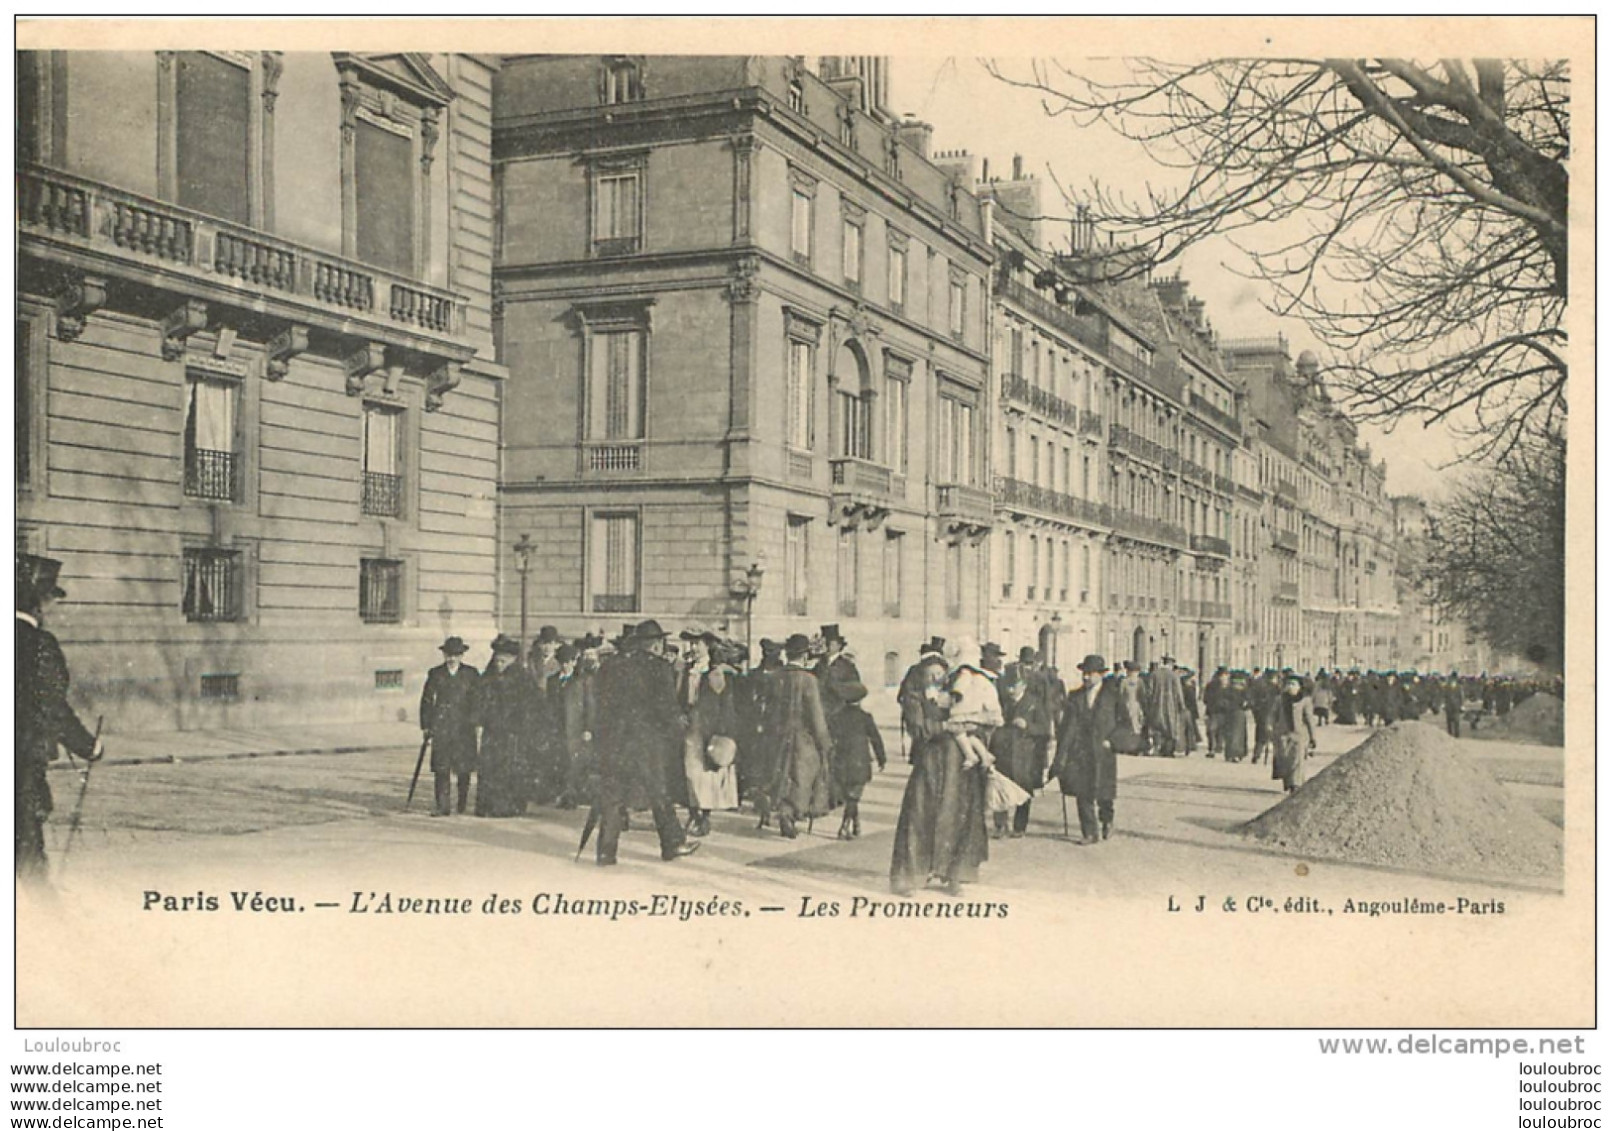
[
  {"x": 82, "y": 296},
  {"x": 361, "y": 363},
  {"x": 187, "y": 318},
  {"x": 273, "y": 67},
  {"x": 439, "y": 384},
  {"x": 282, "y": 348},
  {"x": 430, "y": 131},
  {"x": 745, "y": 285},
  {"x": 955, "y": 532},
  {"x": 856, "y": 514}
]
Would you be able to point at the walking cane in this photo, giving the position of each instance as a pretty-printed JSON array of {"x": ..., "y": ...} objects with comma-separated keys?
[
  {"x": 419, "y": 764},
  {"x": 83, "y": 788},
  {"x": 587, "y": 829}
]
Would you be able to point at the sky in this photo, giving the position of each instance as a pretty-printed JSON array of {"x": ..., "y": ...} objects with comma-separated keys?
[{"x": 971, "y": 110}]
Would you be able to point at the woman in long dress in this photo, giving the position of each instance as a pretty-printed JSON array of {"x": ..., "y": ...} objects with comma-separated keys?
[
  {"x": 941, "y": 835},
  {"x": 705, "y": 693}
]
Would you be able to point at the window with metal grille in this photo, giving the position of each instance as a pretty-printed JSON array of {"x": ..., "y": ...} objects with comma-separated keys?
[
  {"x": 389, "y": 679},
  {"x": 212, "y": 585},
  {"x": 221, "y": 688},
  {"x": 380, "y": 590},
  {"x": 613, "y": 563},
  {"x": 383, "y": 479},
  {"x": 211, "y": 463}
]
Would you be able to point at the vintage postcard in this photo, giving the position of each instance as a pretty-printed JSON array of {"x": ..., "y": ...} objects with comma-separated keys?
[{"x": 899, "y": 522}]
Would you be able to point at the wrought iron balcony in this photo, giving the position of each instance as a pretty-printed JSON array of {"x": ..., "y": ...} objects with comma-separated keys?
[
  {"x": 1146, "y": 529},
  {"x": 1204, "y": 408},
  {"x": 1209, "y": 544},
  {"x": 383, "y": 494},
  {"x": 1286, "y": 592},
  {"x": 107, "y": 231},
  {"x": 1031, "y": 496},
  {"x": 1047, "y": 404},
  {"x": 1285, "y": 540},
  {"x": 1215, "y": 610},
  {"x": 1091, "y": 424},
  {"x": 211, "y": 474}
]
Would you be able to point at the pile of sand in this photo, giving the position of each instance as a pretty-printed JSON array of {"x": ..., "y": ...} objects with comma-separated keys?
[
  {"x": 1406, "y": 798},
  {"x": 1538, "y": 718}
]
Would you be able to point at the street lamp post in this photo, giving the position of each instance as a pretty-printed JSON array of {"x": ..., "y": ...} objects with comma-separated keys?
[
  {"x": 749, "y": 587},
  {"x": 523, "y": 549}
]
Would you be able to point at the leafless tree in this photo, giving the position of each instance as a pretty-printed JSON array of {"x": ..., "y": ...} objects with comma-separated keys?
[
  {"x": 1496, "y": 554},
  {"x": 1418, "y": 214}
]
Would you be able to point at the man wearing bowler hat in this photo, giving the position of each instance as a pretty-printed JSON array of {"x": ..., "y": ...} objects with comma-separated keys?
[
  {"x": 639, "y": 742},
  {"x": 447, "y": 718},
  {"x": 1087, "y": 765},
  {"x": 1022, "y": 746},
  {"x": 45, "y": 720}
]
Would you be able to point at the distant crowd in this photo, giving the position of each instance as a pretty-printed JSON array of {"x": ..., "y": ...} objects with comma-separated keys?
[{"x": 641, "y": 722}]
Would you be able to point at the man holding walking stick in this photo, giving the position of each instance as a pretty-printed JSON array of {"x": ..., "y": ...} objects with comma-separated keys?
[{"x": 45, "y": 720}]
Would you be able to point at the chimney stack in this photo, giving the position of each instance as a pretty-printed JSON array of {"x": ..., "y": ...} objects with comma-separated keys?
[
  {"x": 916, "y": 135},
  {"x": 1017, "y": 166}
]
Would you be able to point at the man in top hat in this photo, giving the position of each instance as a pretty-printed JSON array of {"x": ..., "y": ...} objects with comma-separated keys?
[
  {"x": 797, "y": 728},
  {"x": 920, "y": 720},
  {"x": 639, "y": 740},
  {"x": 447, "y": 718},
  {"x": 1087, "y": 765},
  {"x": 1023, "y": 744},
  {"x": 45, "y": 720}
]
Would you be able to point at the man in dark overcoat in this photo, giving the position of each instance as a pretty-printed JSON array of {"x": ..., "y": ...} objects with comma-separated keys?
[
  {"x": 797, "y": 727},
  {"x": 639, "y": 740},
  {"x": 45, "y": 720},
  {"x": 1087, "y": 765},
  {"x": 1022, "y": 744},
  {"x": 503, "y": 711},
  {"x": 447, "y": 718}
]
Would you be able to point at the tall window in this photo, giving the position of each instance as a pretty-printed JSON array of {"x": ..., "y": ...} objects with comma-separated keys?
[
  {"x": 802, "y": 399},
  {"x": 211, "y": 462},
  {"x": 617, "y": 211},
  {"x": 1068, "y": 471},
  {"x": 621, "y": 82},
  {"x": 953, "y": 581},
  {"x": 1068, "y": 570},
  {"x": 380, "y": 590},
  {"x": 613, "y": 563},
  {"x": 1034, "y": 567},
  {"x": 1051, "y": 567},
  {"x": 955, "y": 457},
  {"x": 1009, "y": 562},
  {"x": 1015, "y": 350},
  {"x": 1034, "y": 460},
  {"x": 849, "y": 570},
  {"x": 897, "y": 387},
  {"x": 212, "y": 585},
  {"x": 212, "y": 127},
  {"x": 892, "y": 573},
  {"x": 1085, "y": 573},
  {"x": 615, "y": 385},
  {"x": 854, "y": 426},
  {"x": 801, "y": 209},
  {"x": 852, "y": 252},
  {"x": 796, "y": 566},
  {"x": 383, "y": 465},
  {"x": 959, "y": 304},
  {"x": 1012, "y": 453},
  {"x": 386, "y": 183},
  {"x": 897, "y": 277}
]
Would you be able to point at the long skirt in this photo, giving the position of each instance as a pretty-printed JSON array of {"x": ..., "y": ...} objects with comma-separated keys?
[
  {"x": 1287, "y": 766},
  {"x": 1233, "y": 735},
  {"x": 707, "y": 788},
  {"x": 941, "y": 831},
  {"x": 503, "y": 779}
]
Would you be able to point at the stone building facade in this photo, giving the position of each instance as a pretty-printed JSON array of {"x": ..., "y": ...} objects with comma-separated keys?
[
  {"x": 745, "y": 319},
  {"x": 257, "y": 407}
]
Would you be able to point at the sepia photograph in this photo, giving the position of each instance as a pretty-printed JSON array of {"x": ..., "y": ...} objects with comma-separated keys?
[{"x": 1051, "y": 523}]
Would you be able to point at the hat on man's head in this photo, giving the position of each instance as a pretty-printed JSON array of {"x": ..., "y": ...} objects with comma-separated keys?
[
  {"x": 1168, "y": 659},
  {"x": 770, "y": 647},
  {"x": 505, "y": 645},
  {"x": 454, "y": 646},
  {"x": 583, "y": 643},
  {"x": 936, "y": 645},
  {"x": 37, "y": 578},
  {"x": 990, "y": 648},
  {"x": 1131, "y": 666},
  {"x": 649, "y": 630},
  {"x": 1027, "y": 655},
  {"x": 797, "y": 645},
  {"x": 548, "y": 634},
  {"x": 830, "y": 634},
  {"x": 1093, "y": 663}
]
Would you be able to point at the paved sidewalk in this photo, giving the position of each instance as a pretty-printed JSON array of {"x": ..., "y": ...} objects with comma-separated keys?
[{"x": 268, "y": 742}]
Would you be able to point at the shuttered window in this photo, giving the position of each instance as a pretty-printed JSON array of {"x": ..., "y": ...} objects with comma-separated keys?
[
  {"x": 616, "y": 394},
  {"x": 613, "y": 563}
]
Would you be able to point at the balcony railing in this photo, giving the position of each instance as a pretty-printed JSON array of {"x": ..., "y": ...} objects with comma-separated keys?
[
  {"x": 1121, "y": 439},
  {"x": 383, "y": 494},
  {"x": 855, "y": 475},
  {"x": 1286, "y": 591},
  {"x": 1285, "y": 540},
  {"x": 1196, "y": 473},
  {"x": 1017, "y": 493},
  {"x": 1215, "y": 610},
  {"x": 1204, "y": 408},
  {"x": 614, "y": 457},
  {"x": 77, "y": 212},
  {"x": 1209, "y": 544},
  {"x": 210, "y": 474},
  {"x": 1147, "y": 529},
  {"x": 1224, "y": 484},
  {"x": 1047, "y": 404},
  {"x": 1091, "y": 424},
  {"x": 1287, "y": 493}
]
